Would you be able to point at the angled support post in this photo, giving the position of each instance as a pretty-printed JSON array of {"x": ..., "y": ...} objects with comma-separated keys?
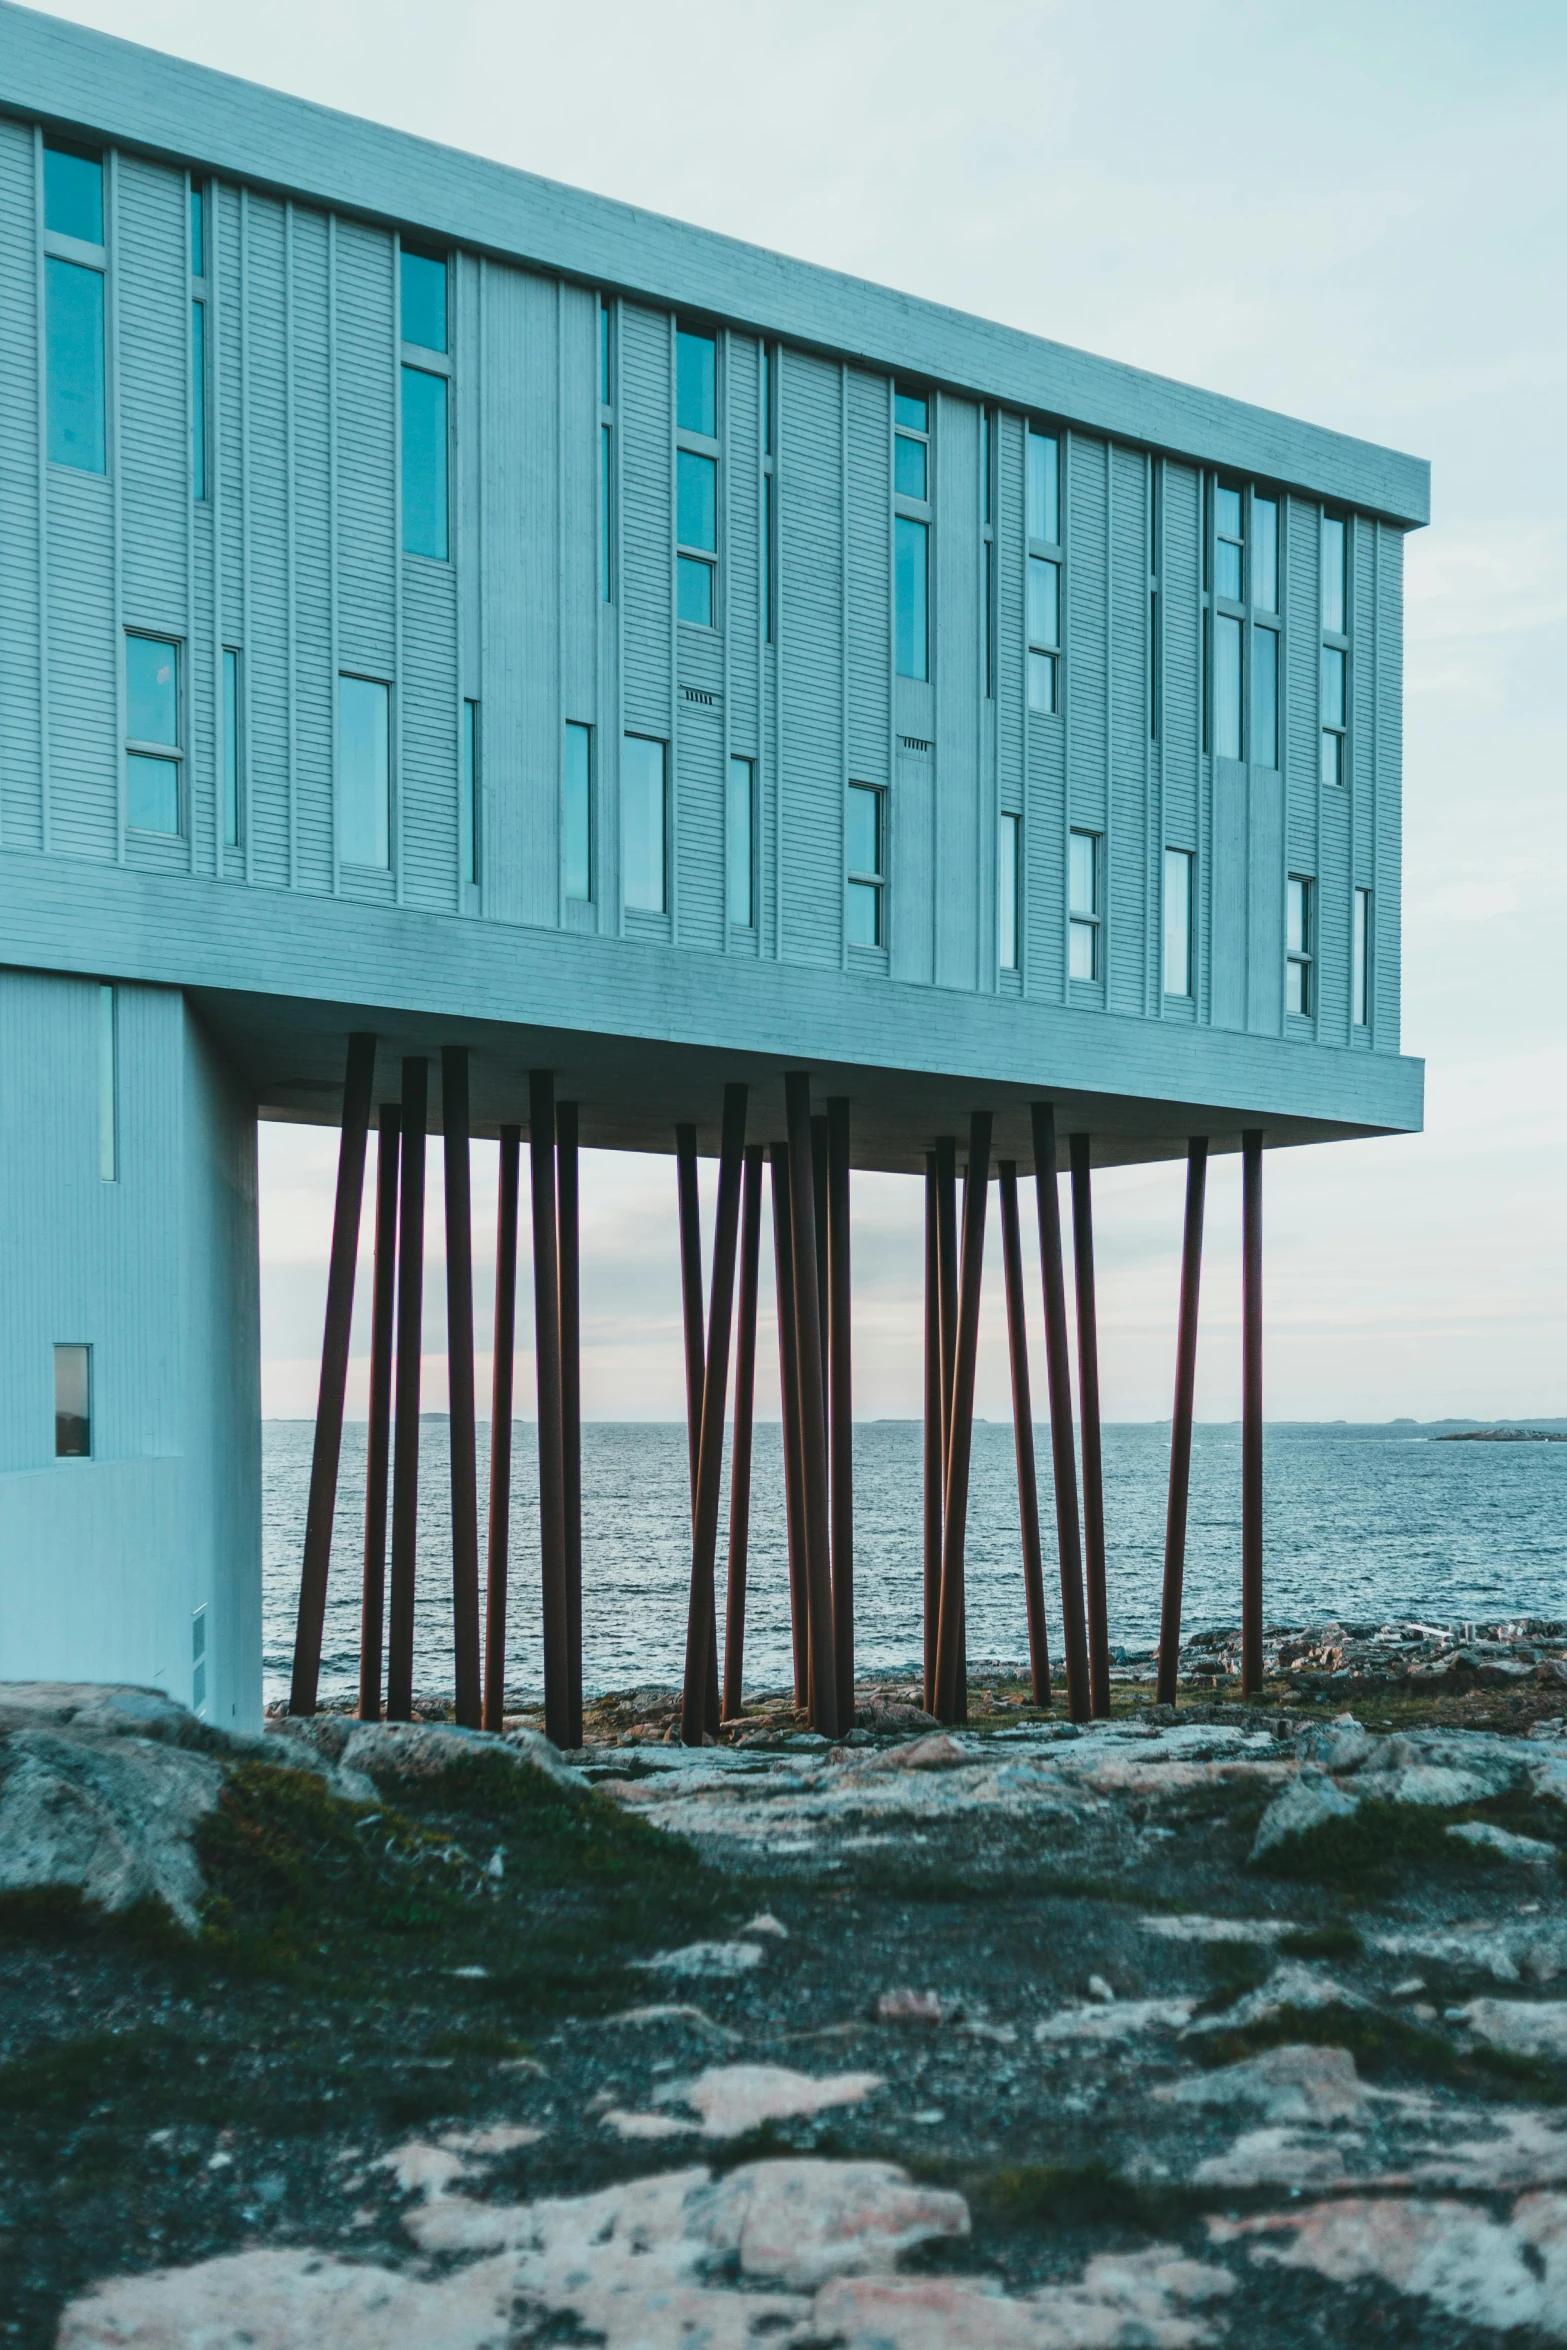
[
  {"x": 813, "y": 1405},
  {"x": 690, "y": 1207},
  {"x": 935, "y": 1428},
  {"x": 410, "y": 1340},
  {"x": 819, "y": 1194},
  {"x": 1181, "y": 1424},
  {"x": 740, "y": 1460},
  {"x": 1023, "y": 1435},
  {"x": 840, "y": 1402},
  {"x": 566, "y": 1167},
  {"x": 1058, "y": 1371},
  {"x": 951, "y": 1662},
  {"x": 498, "y": 1555},
  {"x": 1251, "y": 1412},
  {"x": 322, "y": 1505},
  {"x": 378, "y": 1436},
  {"x": 789, "y": 1396},
  {"x": 947, "y": 1272},
  {"x": 459, "y": 1350},
  {"x": 701, "y": 1612},
  {"x": 546, "y": 1344},
  {"x": 1088, "y": 1405}
]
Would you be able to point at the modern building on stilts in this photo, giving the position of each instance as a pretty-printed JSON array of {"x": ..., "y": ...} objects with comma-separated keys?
[{"x": 480, "y": 659}]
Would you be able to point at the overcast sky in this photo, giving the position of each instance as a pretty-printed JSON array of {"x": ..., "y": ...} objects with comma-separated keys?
[{"x": 1353, "y": 212}]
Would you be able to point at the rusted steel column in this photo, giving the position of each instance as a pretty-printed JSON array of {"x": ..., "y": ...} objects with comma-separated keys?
[
  {"x": 546, "y": 1346},
  {"x": 410, "y": 1339},
  {"x": 1088, "y": 1405},
  {"x": 1023, "y": 1435},
  {"x": 740, "y": 1457},
  {"x": 951, "y": 1663},
  {"x": 570, "y": 1400},
  {"x": 1181, "y": 1427},
  {"x": 378, "y": 1437},
  {"x": 840, "y": 1394},
  {"x": 1251, "y": 1411},
  {"x": 690, "y": 1203},
  {"x": 498, "y": 1561},
  {"x": 789, "y": 1396},
  {"x": 819, "y": 1194},
  {"x": 459, "y": 1374},
  {"x": 947, "y": 1266},
  {"x": 813, "y": 1405},
  {"x": 322, "y": 1505},
  {"x": 1058, "y": 1371},
  {"x": 701, "y": 1612},
  {"x": 935, "y": 1428}
]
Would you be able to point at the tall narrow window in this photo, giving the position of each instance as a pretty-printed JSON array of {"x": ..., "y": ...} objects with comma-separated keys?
[
  {"x": 865, "y": 840},
  {"x": 153, "y": 799},
  {"x": 1155, "y": 538},
  {"x": 425, "y": 369},
  {"x": 1044, "y": 572},
  {"x": 364, "y": 774},
  {"x": 75, "y": 259},
  {"x": 1298, "y": 926},
  {"x": 911, "y": 486},
  {"x": 1264, "y": 696},
  {"x": 1178, "y": 922},
  {"x": 1228, "y": 636},
  {"x": 696, "y": 478},
  {"x": 1335, "y": 651},
  {"x": 1265, "y": 554},
  {"x": 987, "y": 547},
  {"x": 644, "y": 822},
  {"x": 579, "y": 812},
  {"x": 769, "y": 497},
  {"x": 1360, "y": 974},
  {"x": 1083, "y": 912},
  {"x": 1044, "y": 487},
  {"x": 912, "y": 543},
  {"x": 73, "y": 1403},
  {"x": 472, "y": 812},
  {"x": 742, "y": 782},
  {"x": 198, "y": 343},
  {"x": 198, "y": 1661},
  {"x": 108, "y": 1086},
  {"x": 606, "y": 458},
  {"x": 233, "y": 748},
  {"x": 1009, "y": 877}
]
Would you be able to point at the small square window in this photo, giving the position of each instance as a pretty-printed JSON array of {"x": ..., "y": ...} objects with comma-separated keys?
[
  {"x": 423, "y": 292},
  {"x": 911, "y": 410},
  {"x": 73, "y": 191},
  {"x": 696, "y": 384}
]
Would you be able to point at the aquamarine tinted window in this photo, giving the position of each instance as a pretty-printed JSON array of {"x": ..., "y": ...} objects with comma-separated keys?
[
  {"x": 424, "y": 463},
  {"x": 1360, "y": 999},
  {"x": 423, "y": 291},
  {"x": 908, "y": 468},
  {"x": 470, "y": 783},
  {"x": 152, "y": 794},
  {"x": 985, "y": 464},
  {"x": 231, "y": 749},
  {"x": 73, "y": 300},
  {"x": 1265, "y": 698},
  {"x": 696, "y": 384},
  {"x": 1333, "y": 668},
  {"x": 152, "y": 690},
  {"x": 1042, "y": 684},
  {"x": 72, "y": 1402},
  {"x": 740, "y": 883},
  {"x": 642, "y": 804},
  {"x": 1177, "y": 922},
  {"x": 606, "y": 510},
  {"x": 1044, "y": 601},
  {"x": 1044, "y": 488},
  {"x": 1265, "y": 554},
  {"x": 363, "y": 772},
  {"x": 912, "y": 568},
  {"x": 1227, "y": 688},
  {"x": 198, "y": 233},
  {"x": 198, "y": 399},
  {"x": 579, "y": 812},
  {"x": 694, "y": 591},
  {"x": 1227, "y": 512},
  {"x": 1083, "y": 873},
  {"x": 767, "y": 401},
  {"x": 696, "y": 500},
  {"x": 73, "y": 193},
  {"x": 1333, "y": 573},
  {"x": 863, "y": 830},
  {"x": 912, "y": 409},
  {"x": 604, "y": 354},
  {"x": 1007, "y": 887},
  {"x": 863, "y": 914},
  {"x": 769, "y": 559}
]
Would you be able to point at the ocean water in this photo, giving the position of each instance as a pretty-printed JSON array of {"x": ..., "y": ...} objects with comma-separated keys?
[{"x": 1359, "y": 1521}]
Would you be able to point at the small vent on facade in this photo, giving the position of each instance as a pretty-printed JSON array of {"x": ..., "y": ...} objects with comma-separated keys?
[
  {"x": 700, "y": 695},
  {"x": 915, "y": 743},
  {"x": 198, "y": 1661}
]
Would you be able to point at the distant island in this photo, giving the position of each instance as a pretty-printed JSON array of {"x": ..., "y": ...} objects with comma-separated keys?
[{"x": 1503, "y": 1436}]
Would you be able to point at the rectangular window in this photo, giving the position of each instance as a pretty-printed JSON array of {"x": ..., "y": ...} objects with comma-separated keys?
[
  {"x": 1335, "y": 654},
  {"x": 1044, "y": 632},
  {"x": 198, "y": 233},
  {"x": 769, "y": 498},
  {"x": 1335, "y": 662},
  {"x": 364, "y": 772},
  {"x": 198, "y": 400},
  {"x": 108, "y": 1087},
  {"x": 73, "y": 192},
  {"x": 606, "y": 509},
  {"x": 1360, "y": 975},
  {"x": 1333, "y": 597},
  {"x": 865, "y": 841},
  {"x": 233, "y": 749},
  {"x": 741, "y": 883},
  {"x": 1155, "y": 537},
  {"x": 1009, "y": 880},
  {"x": 1044, "y": 488},
  {"x": 1178, "y": 922},
  {"x": 1298, "y": 923},
  {"x": 911, "y": 466},
  {"x": 696, "y": 527},
  {"x": 579, "y": 812},
  {"x": 73, "y": 302},
  {"x": 912, "y": 566},
  {"x": 73, "y": 1403},
  {"x": 1083, "y": 883},
  {"x": 696, "y": 384},
  {"x": 152, "y": 727},
  {"x": 422, "y": 293},
  {"x": 1227, "y": 687},
  {"x": 1229, "y": 549},
  {"x": 424, "y": 463},
  {"x": 644, "y": 818},
  {"x": 1265, "y": 697},
  {"x": 604, "y": 400},
  {"x": 1265, "y": 554},
  {"x": 472, "y": 813}
]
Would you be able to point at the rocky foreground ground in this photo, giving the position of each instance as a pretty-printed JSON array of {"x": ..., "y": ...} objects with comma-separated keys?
[{"x": 1233, "y": 2024}]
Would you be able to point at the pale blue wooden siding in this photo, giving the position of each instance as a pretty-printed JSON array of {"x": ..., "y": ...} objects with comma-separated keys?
[{"x": 21, "y": 747}]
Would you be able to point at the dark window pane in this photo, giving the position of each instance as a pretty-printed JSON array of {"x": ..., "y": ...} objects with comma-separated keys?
[
  {"x": 740, "y": 911},
  {"x": 769, "y": 536},
  {"x": 470, "y": 783},
  {"x": 908, "y": 467},
  {"x": 579, "y": 812},
  {"x": 1332, "y": 759},
  {"x": 73, "y": 192},
  {"x": 152, "y": 690},
  {"x": 198, "y": 233},
  {"x": 198, "y": 399},
  {"x": 231, "y": 718},
  {"x": 606, "y": 509},
  {"x": 913, "y": 621},
  {"x": 695, "y": 586},
  {"x": 74, "y": 331},
  {"x": 604, "y": 353},
  {"x": 864, "y": 914},
  {"x": 1044, "y": 488},
  {"x": 910, "y": 408},
  {"x": 696, "y": 500},
  {"x": 1044, "y": 601},
  {"x": 423, "y": 301},
  {"x": 863, "y": 829},
  {"x": 1265, "y": 698},
  {"x": 1265, "y": 554},
  {"x": 642, "y": 822},
  {"x": 696, "y": 384},
  {"x": 424, "y": 463},
  {"x": 1359, "y": 992},
  {"x": 363, "y": 772},
  {"x": 1227, "y": 688},
  {"x": 72, "y": 1402},
  {"x": 152, "y": 794}
]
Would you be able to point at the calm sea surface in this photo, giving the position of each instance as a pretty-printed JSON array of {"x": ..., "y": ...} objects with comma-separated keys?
[{"x": 1360, "y": 1521}]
